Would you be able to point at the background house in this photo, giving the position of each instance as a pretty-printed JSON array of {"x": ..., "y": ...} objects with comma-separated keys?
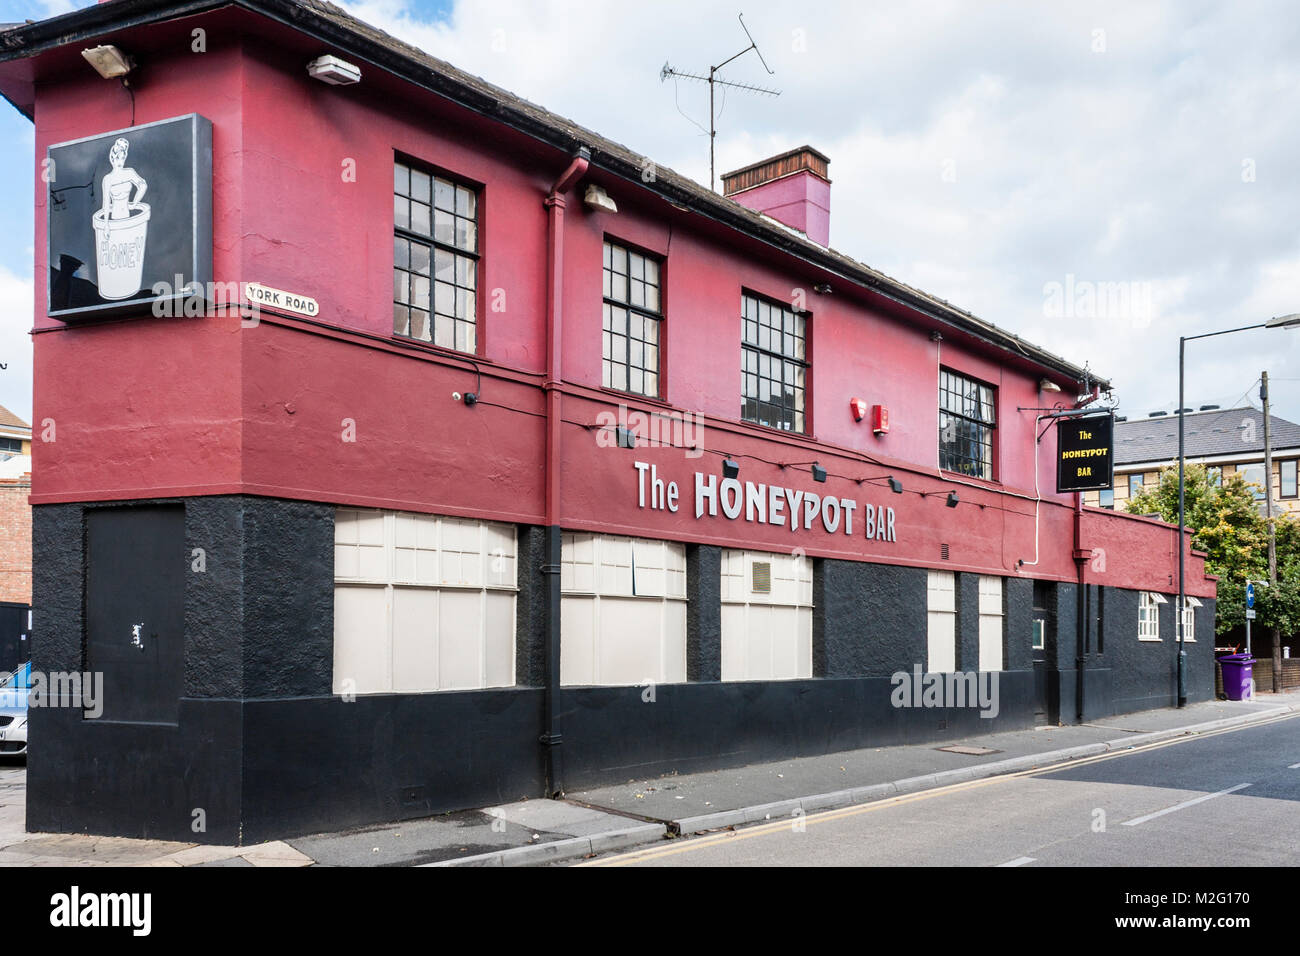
[
  {"x": 15, "y": 538},
  {"x": 1226, "y": 441}
]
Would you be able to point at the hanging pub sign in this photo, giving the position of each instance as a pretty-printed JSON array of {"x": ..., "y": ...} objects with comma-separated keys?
[
  {"x": 1085, "y": 453},
  {"x": 129, "y": 217}
]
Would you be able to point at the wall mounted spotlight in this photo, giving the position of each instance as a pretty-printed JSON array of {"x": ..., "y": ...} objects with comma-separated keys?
[
  {"x": 895, "y": 485},
  {"x": 823, "y": 288},
  {"x": 1047, "y": 385},
  {"x": 596, "y": 198},
  {"x": 730, "y": 469},
  {"x": 108, "y": 61},
  {"x": 626, "y": 437},
  {"x": 819, "y": 473},
  {"x": 953, "y": 500},
  {"x": 471, "y": 399},
  {"x": 334, "y": 71}
]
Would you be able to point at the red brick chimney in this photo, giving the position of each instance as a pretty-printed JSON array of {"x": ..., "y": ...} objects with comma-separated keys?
[{"x": 793, "y": 188}]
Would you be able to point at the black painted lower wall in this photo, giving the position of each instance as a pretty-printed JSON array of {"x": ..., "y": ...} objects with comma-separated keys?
[{"x": 261, "y": 749}]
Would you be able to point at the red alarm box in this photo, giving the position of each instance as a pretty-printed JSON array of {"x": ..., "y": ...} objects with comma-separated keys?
[
  {"x": 880, "y": 419},
  {"x": 859, "y": 408}
]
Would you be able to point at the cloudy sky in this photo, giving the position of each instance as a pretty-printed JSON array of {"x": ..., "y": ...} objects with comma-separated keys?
[{"x": 1099, "y": 178}]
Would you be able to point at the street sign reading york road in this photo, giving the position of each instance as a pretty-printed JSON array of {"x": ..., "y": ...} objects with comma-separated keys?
[{"x": 259, "y": 294}]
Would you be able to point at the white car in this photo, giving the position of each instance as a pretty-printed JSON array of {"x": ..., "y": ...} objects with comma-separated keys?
[{"x": 13, "y": 711}]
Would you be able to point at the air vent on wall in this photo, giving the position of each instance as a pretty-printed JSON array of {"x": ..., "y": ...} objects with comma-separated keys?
[
  {"x": 943, "y": 551},
  {"x": 761, "y": 577}
]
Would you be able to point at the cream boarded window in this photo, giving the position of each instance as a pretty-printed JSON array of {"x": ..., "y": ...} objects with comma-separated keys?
[
  {"x": 766, "y": 616},
  {"x": 622, "y": 611},
  {"x": 1149, "y": 615},
  {"x": 991, "y": 623},
  {"x": 422, "y": 603},
  {"x": 941, "y": 634}
]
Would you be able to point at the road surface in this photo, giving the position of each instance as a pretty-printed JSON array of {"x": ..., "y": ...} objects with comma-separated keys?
[{"x": 1230, "y": 798}]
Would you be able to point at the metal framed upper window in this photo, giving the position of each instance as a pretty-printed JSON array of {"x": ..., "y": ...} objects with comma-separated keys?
[
  {"x": 967, "y": 419},
  {"x": 1287, "y": 470},
  {"x": 773, "y": 364},
  {"x": 435, "y": 258},
  {"x": 1135, "y": 485},
  {"x": 633, "y": 310}
]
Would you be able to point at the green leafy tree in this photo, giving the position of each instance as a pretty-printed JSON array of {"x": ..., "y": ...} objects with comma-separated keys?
[
  {"x": 1279, "y": 606},
  {"x": 1226, "y": 525}
]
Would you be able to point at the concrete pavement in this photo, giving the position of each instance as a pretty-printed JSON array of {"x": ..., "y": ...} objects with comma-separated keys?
[
  {"x": 703, "y": 801},
  {"x": 1227, "y": 799}
]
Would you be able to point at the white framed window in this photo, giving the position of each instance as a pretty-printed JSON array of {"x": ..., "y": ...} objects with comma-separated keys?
[
  {"x": 1149, "y": 615},
  {"x": 422, "y": 603},
  {"x": 941, "y": 632},
  {"x": 622, "y": 611},
  {"x": 1187, "y": 626},
  {"x": 991, "y": 623},
  {"x": 767, "y": 616}
]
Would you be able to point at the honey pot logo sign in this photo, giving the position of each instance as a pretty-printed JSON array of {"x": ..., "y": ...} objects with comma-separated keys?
[
  {"x": 128, "y": 211},
  {"x": 121, "y": 227}
]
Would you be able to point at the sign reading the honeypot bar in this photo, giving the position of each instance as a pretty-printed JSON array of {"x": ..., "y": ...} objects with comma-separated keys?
[
  {"x": 1085, "y": 453},
  {"x": 734, "y": 500},
  {"x": 129, "y": 218}
]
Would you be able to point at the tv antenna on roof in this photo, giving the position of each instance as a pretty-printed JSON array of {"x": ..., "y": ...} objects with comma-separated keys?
[{"x": 713, "y": 81}]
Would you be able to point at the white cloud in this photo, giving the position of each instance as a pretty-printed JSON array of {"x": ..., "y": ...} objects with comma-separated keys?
[{"x": 52, "y": 8}]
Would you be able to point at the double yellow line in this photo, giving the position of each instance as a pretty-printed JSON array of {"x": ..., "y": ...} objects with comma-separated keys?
[{"x": 689, "y": 845}]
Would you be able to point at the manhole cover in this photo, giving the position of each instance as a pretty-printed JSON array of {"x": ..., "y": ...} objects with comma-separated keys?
[{"x": 969, "y": 751}]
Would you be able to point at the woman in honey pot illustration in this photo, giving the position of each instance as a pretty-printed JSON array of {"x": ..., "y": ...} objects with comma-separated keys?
[{"x": 121, "y": 227}]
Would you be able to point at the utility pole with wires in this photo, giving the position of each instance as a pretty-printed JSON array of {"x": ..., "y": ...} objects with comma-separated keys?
[
  {"x": 1272, "y": 527},
  {"x": 713, "y": 82}
]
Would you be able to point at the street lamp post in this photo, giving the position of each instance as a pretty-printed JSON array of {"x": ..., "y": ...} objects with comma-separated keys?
[{"x": 1279, "y": 322}]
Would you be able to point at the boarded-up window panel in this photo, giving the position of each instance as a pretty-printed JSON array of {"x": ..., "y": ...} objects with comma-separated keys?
[
  {"x": 415, "y": 640},
  {"x": 941, "y": 637},
  {"x": 766, "y": 635},
  {"x": 991, "y": 630},
  {"x": 362, "y": 649},
  {"x": 623, "y": 615},
  {"x": 440, "y": 615}
]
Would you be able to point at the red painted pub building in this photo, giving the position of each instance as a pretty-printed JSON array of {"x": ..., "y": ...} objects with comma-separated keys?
[{"x": 403, "y": 447}]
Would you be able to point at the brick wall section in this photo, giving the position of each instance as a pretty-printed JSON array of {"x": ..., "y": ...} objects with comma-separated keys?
[
  {"x": 16, "y": 540},
  {"x": 1262, "y": 671}
]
